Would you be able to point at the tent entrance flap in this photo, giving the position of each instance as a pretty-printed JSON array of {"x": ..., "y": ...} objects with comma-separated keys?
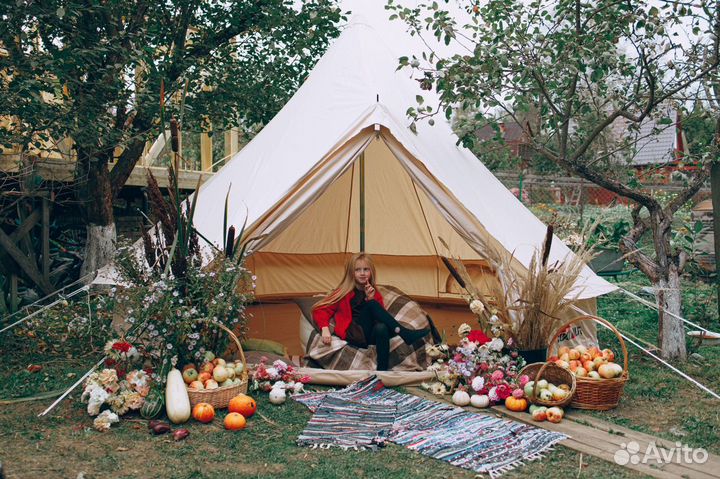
[{"x": 401, "y": 223}]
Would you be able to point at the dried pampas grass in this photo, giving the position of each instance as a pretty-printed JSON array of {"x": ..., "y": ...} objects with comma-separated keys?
[{"x": 526, "y": 303}]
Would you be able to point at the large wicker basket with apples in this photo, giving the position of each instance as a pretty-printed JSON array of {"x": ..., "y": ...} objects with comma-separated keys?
[
  {"x": 599, "y": 380},
  {"x": 217, "y": 381}
]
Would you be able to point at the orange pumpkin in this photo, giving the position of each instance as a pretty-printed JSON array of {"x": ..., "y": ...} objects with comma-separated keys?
[
  {"x": 234, "y": 421},
  {"x": 203, "y": 412},
  {"x": 243, "y": 404},
  {"x": 515, "y": 404}
]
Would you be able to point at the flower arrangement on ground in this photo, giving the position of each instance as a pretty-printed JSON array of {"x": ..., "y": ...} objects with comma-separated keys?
[
  {"x": 480, "y": 365},
  {"x": 279, "y": 375}
]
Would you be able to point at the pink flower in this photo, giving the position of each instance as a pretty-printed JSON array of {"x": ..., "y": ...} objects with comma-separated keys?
[
  {"x": 497, "y": 376},
  {"x": 458, "y": 358},
  {"x": 518, "y": 393},
  {"x": 305, "y": 379},
  {"x": 523, "y": 380},
  {"x": 484, "y": 367}
]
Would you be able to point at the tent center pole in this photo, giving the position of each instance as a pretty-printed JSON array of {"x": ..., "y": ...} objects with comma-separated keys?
[{"x": 362, "y": 201}]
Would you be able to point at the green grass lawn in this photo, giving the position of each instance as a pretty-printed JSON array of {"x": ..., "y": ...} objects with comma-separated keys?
[{"x": 62, "y": 445}]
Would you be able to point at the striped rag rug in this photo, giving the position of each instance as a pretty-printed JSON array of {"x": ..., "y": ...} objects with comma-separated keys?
[{"x": 481, "y": 443}]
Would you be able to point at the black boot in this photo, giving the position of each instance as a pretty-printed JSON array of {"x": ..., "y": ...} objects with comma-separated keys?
[
  {"x": 381, "y": 315},
  {"x": 381, "y": 338}
]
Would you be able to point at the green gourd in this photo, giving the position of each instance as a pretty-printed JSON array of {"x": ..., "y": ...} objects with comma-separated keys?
[{"x": 153, "y": 405}]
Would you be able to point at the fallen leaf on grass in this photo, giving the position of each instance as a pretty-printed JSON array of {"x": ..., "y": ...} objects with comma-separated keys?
[
  {"x": 122, "y": 449},
  {"x": 33, "y": 368}
]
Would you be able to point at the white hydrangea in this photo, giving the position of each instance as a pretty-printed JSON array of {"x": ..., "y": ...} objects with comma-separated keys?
[
  {"x": 477, "y": 307},
  {"x": 496, "y": 344},
  {"x": 96, "y": 398},
  {"x": 478, "y": 383}
]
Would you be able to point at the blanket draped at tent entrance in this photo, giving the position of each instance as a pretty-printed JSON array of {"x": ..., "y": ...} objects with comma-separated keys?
[{"x": 366, "y": 414}]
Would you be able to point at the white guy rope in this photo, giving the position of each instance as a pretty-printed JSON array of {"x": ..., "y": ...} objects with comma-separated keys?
[
  {"x": 87, "y": 276},
  {"x": 77, "y": 383},
  {"x": 665, "y": 311},
  {"x": 44, "y": 308},
  {"x": 659, "y": 359}
]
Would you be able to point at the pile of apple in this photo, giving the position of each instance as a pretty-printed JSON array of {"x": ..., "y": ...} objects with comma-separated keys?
[
  {"x": 542, "y": 413},
  {"x": 213, "y": 373},
  {"x": 547, "y": 391},
  {"x": 590, "y": 362}
]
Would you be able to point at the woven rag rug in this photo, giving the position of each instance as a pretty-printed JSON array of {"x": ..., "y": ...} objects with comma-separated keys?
[{"x": 366, "y": 413}]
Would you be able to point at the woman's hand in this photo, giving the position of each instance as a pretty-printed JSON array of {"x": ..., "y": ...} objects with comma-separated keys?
[
  {"x": 326, "y": 336},
  {"x": 369, "y": 291}
]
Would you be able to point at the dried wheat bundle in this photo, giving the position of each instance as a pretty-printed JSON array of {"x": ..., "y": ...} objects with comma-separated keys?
[{"x": 528, "y": 302}]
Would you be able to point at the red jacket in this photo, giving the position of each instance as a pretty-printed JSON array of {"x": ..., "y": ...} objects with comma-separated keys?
[{"x": 342, "y": 312}]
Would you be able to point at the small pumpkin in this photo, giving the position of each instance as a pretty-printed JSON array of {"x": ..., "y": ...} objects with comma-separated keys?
[
  {"x": 480, "y": 400},
  {"x": 234, "y": 421},
  {"x": 203, "y": 412},
  {"x": 516, "y": 404},
  {"x": 243, "y": 404},
  {"x": 461, "y": 398}
]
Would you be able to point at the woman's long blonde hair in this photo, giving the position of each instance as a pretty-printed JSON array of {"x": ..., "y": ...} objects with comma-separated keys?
[{"x": 348, "y": 282}]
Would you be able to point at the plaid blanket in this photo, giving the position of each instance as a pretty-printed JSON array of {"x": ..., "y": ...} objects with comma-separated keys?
[
  {"x": 339, "y": 355},
  {"x": 478, "y": 442}
]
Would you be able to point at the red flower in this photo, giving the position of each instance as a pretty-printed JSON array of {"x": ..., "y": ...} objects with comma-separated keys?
[
  {"x": 503, "y": 391},
  {"x": 477, "y": 336},
  {"x": 305, "y": 379},
  {"x": 109, "y": 362},
  {"x": 123, "y": 347}
]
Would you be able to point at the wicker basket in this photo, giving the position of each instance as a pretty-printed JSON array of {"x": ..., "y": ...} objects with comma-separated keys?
[
  {"x": 552, "y": 373},
  {"x": 597, "y": 394},
  {"x": 220, "y": 398}
]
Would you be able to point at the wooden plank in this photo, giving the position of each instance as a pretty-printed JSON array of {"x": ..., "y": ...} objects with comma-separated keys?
[
  {"x": 45, "y": 239},
  {"x": 608, "y": 444},
  {"x": 713, "y": 462},
  {"x": 24, "y": 263},
  {"x": 598, "y": 442}
]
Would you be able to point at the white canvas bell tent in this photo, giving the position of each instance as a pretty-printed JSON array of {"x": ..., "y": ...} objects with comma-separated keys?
[{"x": 339, "y": 158}]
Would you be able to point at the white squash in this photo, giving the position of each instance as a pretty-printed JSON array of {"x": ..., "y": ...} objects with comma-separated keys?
[{"x": 177, "y": 401}]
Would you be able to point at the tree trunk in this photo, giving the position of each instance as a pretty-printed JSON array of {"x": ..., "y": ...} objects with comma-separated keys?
[
  {"x": 100, "y": 248},
  {"x": 671, "y": 330},
  {"x": 97, "y": 197}
]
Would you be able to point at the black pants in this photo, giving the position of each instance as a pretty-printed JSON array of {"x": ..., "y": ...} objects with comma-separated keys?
[{"x": 374, "y": 320}]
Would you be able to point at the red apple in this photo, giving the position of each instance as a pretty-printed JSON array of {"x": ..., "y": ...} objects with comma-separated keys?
[
  {"x": 211, "y": 384},
  {"x": 207, "y": 368},
  {"x": 608, "y": 355},
  {"x": 189, "y": 375},
  {"x": 196, "y": 385},
  {"x": 574, "y": 354},
  {"x": 189, "y": 366},
  {"x": 202, "y": 377}
]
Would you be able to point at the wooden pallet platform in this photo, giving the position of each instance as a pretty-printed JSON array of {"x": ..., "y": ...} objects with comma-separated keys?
[{"x": 602, "y": 439}]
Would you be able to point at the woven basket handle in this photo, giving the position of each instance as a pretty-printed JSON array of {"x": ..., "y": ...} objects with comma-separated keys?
[
  {"x": 233, "y": 337},
  {"x": 597, "y": 319}
]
